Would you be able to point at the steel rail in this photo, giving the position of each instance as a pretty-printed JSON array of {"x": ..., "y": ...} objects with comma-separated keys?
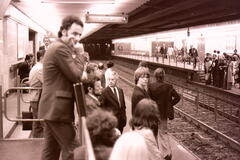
[{"x": 228, "y": 140}]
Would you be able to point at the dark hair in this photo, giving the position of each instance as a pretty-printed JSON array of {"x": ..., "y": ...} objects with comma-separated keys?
[
  {"x": 67, "y": 23},
  {"x": 101, "y": 125},
  {"x": 28, "y": 57},
  {"x": 146, "y": 114},
  {"x": 89, "y": 83},
  {"x": 42, "y": 48},
  {"x": 159, "y": 74},
  {"x": 40, "y": 54},
  {"x": 110, "y": 64}
]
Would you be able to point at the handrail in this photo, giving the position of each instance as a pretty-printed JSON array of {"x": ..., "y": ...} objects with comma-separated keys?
[{"x": 6, "y": 93}]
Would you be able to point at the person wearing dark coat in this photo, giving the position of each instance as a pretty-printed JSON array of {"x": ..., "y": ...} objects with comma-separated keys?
[
  {"x": 112, "y": 99},
  {"x": 165, "y": 96},
  {"x": 140, "y": 91}
]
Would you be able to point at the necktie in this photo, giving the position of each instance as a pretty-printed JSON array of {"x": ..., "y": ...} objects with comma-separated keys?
[{"x": 115, "y": 92}]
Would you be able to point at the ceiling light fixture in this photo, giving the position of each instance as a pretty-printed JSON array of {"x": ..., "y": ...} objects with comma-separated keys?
[
  {"x": 78, "y": 1},
  {"x": 98, "y": 18}
]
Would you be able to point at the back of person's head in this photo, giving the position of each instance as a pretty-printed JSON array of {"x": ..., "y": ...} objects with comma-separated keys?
[
  {"x": 40, "y": 54},
  {"x": 146, "y": 115},
  {"x": 100, "y": 66},
  {"x": 143, "y": 64},
  {"x": 67, "y": 23},
  {"x": 42, "y": 48},
  {"x": 110, "y": 64},
  {"x": 141, "y": 71},
  {"x": 130, "y": 146},
  {"x": 91, "y": 67},
  {"x": 101, "y": 125},
  {"x": 159, "y": 74}
]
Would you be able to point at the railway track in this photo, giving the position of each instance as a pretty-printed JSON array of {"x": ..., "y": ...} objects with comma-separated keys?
[{"x": 202, "y": 137}]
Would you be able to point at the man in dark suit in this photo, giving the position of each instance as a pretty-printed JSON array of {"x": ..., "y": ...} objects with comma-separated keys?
[
  {"x": 93, "y": 90},
  {"x": 112, "y": 99},
  {"x": 165, "y": 96},
  {"x": 62, "y": 67}
]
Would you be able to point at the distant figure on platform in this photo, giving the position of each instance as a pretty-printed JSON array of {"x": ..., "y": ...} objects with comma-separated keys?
[
  {"x": 158, "y": 52},
  {"x": 36, "y": 80},
  {"x": 108, "y": 71},
  {"x": 101, "y": 74},
  {"x": 165, "y": 96},
  {"x": 140, "y": 91},
  {"x": 62, "y": 67},
  {"x": 112, "y": 99},
  {"x": 93, "y": 90},
  {"x": 193, "y": 53},
  {"x": 102, "y": 130},
  {"x": 164, "y": 50}
]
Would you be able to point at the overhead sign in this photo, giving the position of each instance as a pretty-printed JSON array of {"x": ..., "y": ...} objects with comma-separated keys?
[{"x": 96, "y": 18}]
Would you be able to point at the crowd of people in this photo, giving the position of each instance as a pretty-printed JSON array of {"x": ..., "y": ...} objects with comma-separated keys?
[
  {"x": 222, "y": 71},
  {"x": 65, "y": 63}
]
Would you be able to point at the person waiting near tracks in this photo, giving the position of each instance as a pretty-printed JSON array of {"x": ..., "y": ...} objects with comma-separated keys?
[
  {"x": 36, "y": 80},
  {"x": 130, "y": 146},
  {"x": 93, "y": 90},
  {"x": 145, "y": 121},
  {"x": 62, "y": 67},
  {"x": 112, "y": 99},
  {"x": 165, "y": 96},
  {"x": 193, "y": 53},
  {"x": 140, "y": 91},
  {"x": 108, "y": 71},
  {"x": 102, "y": 130},
  {"x": 100, "y": 73}
]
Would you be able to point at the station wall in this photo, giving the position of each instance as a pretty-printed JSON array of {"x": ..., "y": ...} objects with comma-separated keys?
[{"x": 15, "y": 43}]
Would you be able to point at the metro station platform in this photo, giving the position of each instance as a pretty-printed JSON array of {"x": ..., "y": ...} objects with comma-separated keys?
[{"x": 19, "y": 146}]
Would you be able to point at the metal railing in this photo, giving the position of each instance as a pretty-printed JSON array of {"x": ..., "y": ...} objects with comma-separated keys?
[
  {"x": 4, "y": 107},
  {"x": 177, "y": 61}
]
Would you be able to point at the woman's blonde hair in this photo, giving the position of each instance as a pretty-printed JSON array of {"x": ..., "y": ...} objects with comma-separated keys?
[
  {"x": 140, "y": 71},
  {"x": 130, "y": 146}
]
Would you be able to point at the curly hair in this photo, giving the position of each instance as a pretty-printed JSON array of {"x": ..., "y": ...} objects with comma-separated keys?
[
  {"x": 101, "y": 125},
  {"x": 146, "y": 114},
  {"x": 67, "y": 23}
]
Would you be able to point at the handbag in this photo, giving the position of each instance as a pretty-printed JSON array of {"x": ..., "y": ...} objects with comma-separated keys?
[{"x": 27, "y": 115}]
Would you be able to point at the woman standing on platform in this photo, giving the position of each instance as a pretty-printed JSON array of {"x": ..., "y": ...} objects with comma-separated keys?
[{"x": 140, "y": 91}]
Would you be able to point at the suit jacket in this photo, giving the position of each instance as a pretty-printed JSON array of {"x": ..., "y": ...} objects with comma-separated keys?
[
  {"x": 110, "y": 102},
  {"x": 91, "y": 104},
  {"x": 61, "y": 68},
  {"x": 137, "y": 95},
  {"x": 165, "y": 96}
]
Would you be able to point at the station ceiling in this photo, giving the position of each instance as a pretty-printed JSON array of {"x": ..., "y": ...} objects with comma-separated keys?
[
  {"x": 161, "y": 15},
  {"x": 144, "y": 16}
]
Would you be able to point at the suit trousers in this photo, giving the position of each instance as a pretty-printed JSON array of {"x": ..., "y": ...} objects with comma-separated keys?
[
  {"x": 37, "y": 127},
  {"x": 60, "y": 137}
]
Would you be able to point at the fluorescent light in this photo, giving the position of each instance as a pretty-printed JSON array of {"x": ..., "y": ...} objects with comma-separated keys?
[
  {"x": 98, "y": 18},
  {"x": 78, "y": 1}
]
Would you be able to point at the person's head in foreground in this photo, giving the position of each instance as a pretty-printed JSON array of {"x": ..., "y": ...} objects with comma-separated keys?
[
  {"x": 146, "y": 115},
  {"x": 130, "y": 146}
]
